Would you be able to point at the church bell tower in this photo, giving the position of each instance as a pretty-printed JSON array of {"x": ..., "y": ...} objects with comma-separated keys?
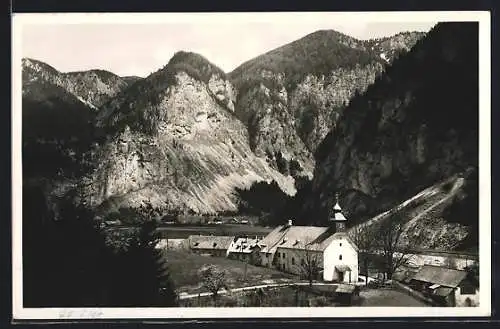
[{"x": 338, "y": 218}]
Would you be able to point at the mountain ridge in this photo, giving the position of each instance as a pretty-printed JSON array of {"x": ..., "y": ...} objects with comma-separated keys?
[
  {"x": 93, "y": 87},
  {"x": 185, "y": 138},
  {"x": 291, "y": 96},
  {"x": 415, "y": 126}
]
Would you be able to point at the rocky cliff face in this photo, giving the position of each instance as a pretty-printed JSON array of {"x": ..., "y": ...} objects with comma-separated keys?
[
  {"x": 292, "y": 96},
  {"x": 174, "y": 143},
  {"x": 415, "y": 126},
  {"x": 93, "y": 88}
]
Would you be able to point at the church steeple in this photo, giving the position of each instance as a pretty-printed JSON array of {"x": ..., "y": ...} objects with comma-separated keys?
[{"x": 338, "y": 217}]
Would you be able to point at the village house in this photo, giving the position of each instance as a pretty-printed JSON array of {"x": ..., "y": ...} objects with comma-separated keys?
[
  {"x": 210, "y": 244},
  {"x": 448, "y": 287},
  {"x": 294, "y": 249},
  {"x": 244, "y": 249}
]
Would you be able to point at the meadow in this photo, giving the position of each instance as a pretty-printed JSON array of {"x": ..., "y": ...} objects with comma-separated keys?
[{"x": 184, "y": 267}]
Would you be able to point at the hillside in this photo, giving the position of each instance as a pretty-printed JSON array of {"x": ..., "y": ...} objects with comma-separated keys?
[
  {"x": 174, "y": 143},
  {"x": 93, "y": 87},
  {"x": 292, "y": 96},
  {"x": 389, "y": 48},
  {"x": 415, "y": 126},
  {"x": 56, "y": 130}
]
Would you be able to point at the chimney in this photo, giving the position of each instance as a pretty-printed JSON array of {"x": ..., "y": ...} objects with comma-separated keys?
[{"x": 290, "y": 222}]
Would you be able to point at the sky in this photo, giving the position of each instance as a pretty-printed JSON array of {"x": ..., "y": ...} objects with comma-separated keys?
[{"x": 140, "y": 47}]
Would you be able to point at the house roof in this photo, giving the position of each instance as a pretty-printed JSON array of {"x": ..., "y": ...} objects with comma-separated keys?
[
  {"x": 313, "y": 238},
  {"x": 210, "y": 242},
  {"x": 339, "y": 216},
  {"x": 440, "y": 275},
  {"x": 342, "y": 268},
  {"x": 243, "y": 245}
]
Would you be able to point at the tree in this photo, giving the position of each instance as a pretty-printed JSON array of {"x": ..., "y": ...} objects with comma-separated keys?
[
  {"x": 213, "y": 279},
  {"x": 65, "y": 261},
  {"x": 395, "y": 247},
  {"x": 146, "y": 278},
  {"x": 364, "y": 238},
  {"x": 310, "y": 263}
]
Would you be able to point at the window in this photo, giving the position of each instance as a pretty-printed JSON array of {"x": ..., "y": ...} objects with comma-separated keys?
[
  {"x": 278, "y": 254},
  {"x": 283, "y": 255},
  {"x": 340, "y": 244},
  {"x": 340, "y": 257},
  {"x": 302, "y": 262},
  {"x": 293, "y": 261},
  {"x": 467, "y": 289}
]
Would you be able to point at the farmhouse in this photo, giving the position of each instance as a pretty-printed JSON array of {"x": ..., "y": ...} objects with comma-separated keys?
[
  {"x": 449, "y": 287},
  {"x": 210, "y": 245},
  {"x": 244, "y": 249},
  {"x": 326, "y": 251}
]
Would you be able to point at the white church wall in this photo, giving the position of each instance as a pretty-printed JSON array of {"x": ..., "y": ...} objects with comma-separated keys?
[{"x": 340, "y": 252}]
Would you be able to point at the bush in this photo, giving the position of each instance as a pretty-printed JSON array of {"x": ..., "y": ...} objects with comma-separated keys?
[{"x": 320, "y": 301}]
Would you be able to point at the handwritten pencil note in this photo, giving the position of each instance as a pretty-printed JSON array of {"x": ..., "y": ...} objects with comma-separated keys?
[{"x": 80, "y": 314}]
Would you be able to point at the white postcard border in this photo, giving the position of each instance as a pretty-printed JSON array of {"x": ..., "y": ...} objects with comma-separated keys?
[{"x": 21, "y": 313}]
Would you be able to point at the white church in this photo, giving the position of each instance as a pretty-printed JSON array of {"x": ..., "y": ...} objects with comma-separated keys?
[{"x": 295, "y": 249}]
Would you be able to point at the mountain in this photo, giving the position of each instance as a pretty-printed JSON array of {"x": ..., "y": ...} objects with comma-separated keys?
[
  {"x": 174, "y": 142},
  {"x": 131, "y": 79},
  {"x": 411, "y": 142},
  {"x": 192, "y": 138},
  {"x": 93, "y": 87},
  {"x": 290, "y": 97}
]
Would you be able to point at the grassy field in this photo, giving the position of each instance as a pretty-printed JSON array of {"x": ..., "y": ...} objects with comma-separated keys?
[
  {"x": 181, "y": 232},
  {"x": 184, "y": 268}
]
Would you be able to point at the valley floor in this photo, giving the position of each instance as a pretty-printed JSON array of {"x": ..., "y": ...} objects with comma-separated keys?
[
  {"x": 243, "y": 284},
  {"x": 184, "y": 267}
]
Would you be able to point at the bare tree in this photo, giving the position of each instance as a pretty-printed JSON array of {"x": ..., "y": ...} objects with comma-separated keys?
[
  {"x": 450, "y": 262},
  {"x": 364, "y": 237},
  {"x": 213, "y": 280},
  {"x": 309, "y": 261},
  {"x": 396, "y": 248}
]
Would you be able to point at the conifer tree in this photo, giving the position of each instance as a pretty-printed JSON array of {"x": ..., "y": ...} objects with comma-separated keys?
[{"x": 148, "y": 281}]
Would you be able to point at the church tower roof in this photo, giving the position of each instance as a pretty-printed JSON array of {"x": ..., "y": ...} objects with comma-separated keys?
[{"x": 337, "y": 210}]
